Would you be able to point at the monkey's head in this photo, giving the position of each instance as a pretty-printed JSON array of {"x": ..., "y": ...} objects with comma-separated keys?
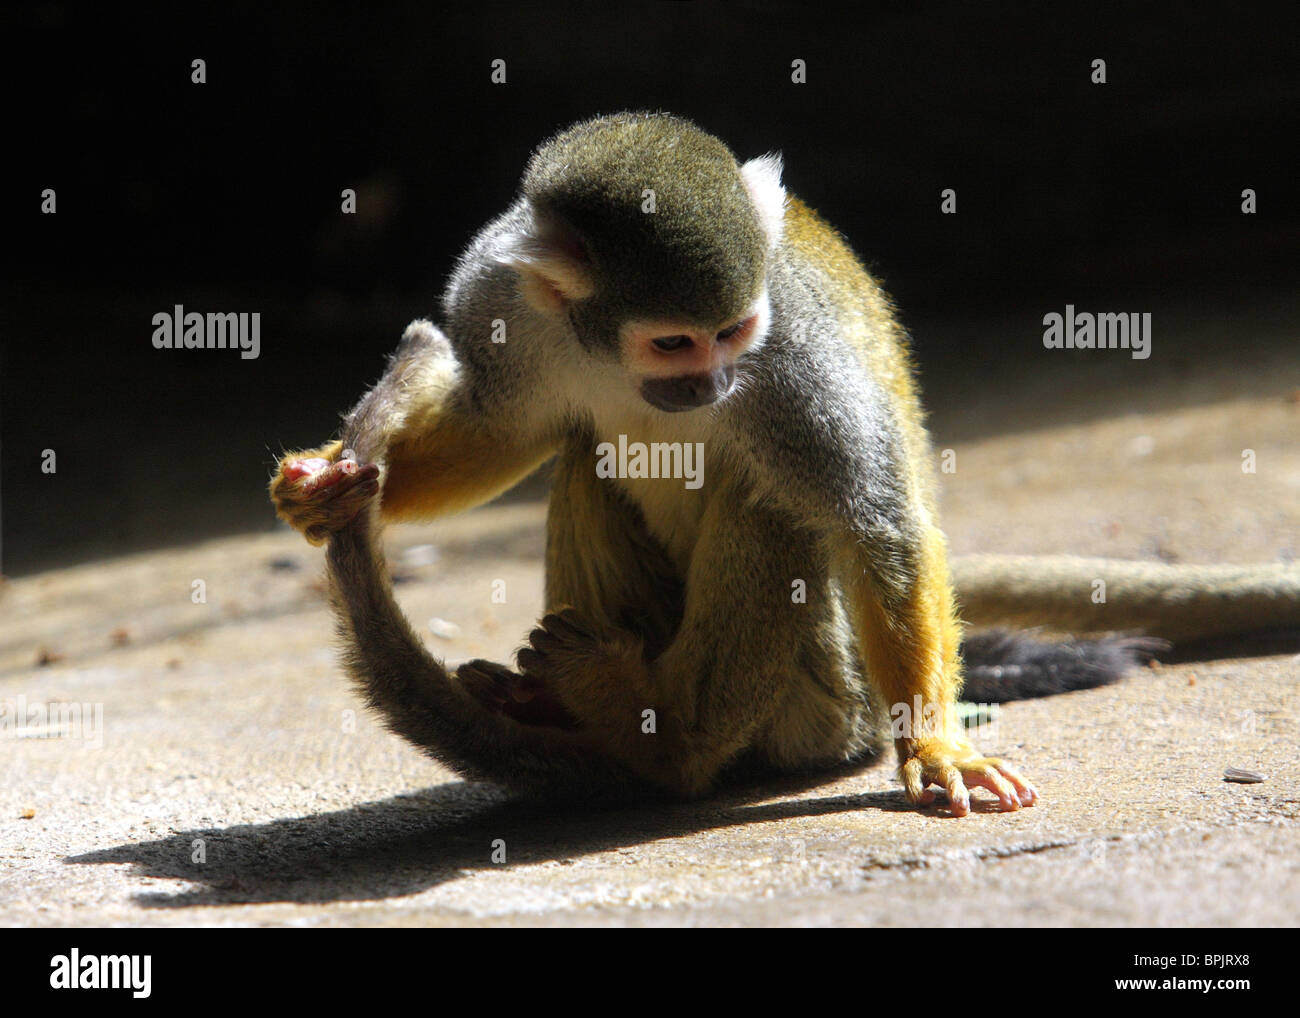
[{"x": 653, "y": 243}]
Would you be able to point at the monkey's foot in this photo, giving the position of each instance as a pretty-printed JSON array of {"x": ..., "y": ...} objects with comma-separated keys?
[
  {"x": 318, "y": 496},
  {"x": 598, "y": 673},
  {"x": 516, "y": 696},
  {"x": 954, "y": 765}
]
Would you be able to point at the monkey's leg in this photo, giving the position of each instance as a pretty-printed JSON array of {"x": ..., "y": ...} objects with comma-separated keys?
[
  {"x": 323, "y": 485},
  {"x": 613, "y": 598},
  {"x": 725, "y": 676},
  {"x": 909, "y": 635},
  {"x": 422, "y": 702},
  {"x": 600, "y": 557},
  {"x": 464, "y": 721},
  {"x": 595, "y": 674}
]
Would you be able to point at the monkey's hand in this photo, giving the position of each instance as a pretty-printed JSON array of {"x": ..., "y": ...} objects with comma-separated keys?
[
  {"x": 597, "y": 674},
  {"x": 319, "y": 492},
  {"x": 953, "y": 764}
]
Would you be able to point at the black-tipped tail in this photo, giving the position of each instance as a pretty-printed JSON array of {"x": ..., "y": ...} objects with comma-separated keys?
[{"x": 1002, "y": 665}]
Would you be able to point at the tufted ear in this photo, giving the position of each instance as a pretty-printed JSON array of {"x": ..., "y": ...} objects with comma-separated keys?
[
  {"x": 763, "y": 179},
  {"x": 553, "y": 267}
]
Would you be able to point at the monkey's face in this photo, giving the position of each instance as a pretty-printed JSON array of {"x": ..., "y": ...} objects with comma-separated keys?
[
  {"x": 654, "y": 244},
  {"x": 682, "y": 365}
]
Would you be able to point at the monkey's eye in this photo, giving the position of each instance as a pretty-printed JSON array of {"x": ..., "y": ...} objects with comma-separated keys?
[
  {"x": 733, "y": 330},
  {"x": 670, "y": 343}
]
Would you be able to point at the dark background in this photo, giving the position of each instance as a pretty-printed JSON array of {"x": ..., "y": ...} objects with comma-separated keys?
[{"x": 225, "y": 197}]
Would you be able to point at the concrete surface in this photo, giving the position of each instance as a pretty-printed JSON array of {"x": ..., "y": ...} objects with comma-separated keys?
[{"x": 236, "y": 781}]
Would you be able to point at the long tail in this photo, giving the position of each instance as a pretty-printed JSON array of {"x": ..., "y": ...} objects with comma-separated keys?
[
  {"x": 1171, "y": 602},
  {"x": 1186, "y": 608},
  {"x": 1001, "y": 665},
  {"x": 420, "y": 701}
]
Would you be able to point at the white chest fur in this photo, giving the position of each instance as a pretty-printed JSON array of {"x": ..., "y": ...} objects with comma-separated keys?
[{"x": 662, "y": 462}]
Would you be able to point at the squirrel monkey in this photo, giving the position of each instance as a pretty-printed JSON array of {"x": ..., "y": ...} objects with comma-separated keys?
[{"x": 645, "y": 288}]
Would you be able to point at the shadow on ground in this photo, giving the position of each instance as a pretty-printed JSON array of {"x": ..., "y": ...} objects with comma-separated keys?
[{"x": 412, "y": 842}]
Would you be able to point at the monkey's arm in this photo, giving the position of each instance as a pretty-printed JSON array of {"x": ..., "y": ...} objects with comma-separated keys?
[
  {"x": 422, "y": 434},
  {"x": 903, "y": 614},
  {"x": 856, "y": 472}
]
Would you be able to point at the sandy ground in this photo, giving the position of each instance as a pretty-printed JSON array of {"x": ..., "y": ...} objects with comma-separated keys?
[{"x": 218, "y": 770}]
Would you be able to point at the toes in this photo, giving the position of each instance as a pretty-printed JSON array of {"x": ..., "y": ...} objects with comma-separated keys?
[
  {"x": 914, "y": 783},
  {"x": 958, "y": 796},
  {"x": 989, "y": 778},
  {"x": 368, "y": 475},
  {"x": 332, "y": 481},
  {"x": 486, "y": 681},
  {"x": 319, "y": 481},
  {"x": 354, "y": 480},
  {"x": 959, "y": 770},
  {"x": 565, "y": 626},
  {"x": 499, "y": 673},
  {"x": 324, "y": 483},
  {"x": 1024, "y": 790},
  {"x": 481, "y": 688},
  {"x": 562, "y": 630},
  {"x": 543, "y": 641},
  {"x": 296, "y": 470},
  {"x": 530, "y": 660}
]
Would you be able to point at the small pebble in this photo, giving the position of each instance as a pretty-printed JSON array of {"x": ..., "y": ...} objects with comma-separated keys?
[
  {"x": 443, "y": 628},
  {"x": 419, "y": 555},
  {"x": 45, "y": 656},
  {"x": 1141, "y": 445}
]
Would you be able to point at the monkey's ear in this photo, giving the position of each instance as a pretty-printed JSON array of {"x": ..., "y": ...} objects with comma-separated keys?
[
  {"x": 763, "y": 179},
  {"x": 553, "y": 267}
]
